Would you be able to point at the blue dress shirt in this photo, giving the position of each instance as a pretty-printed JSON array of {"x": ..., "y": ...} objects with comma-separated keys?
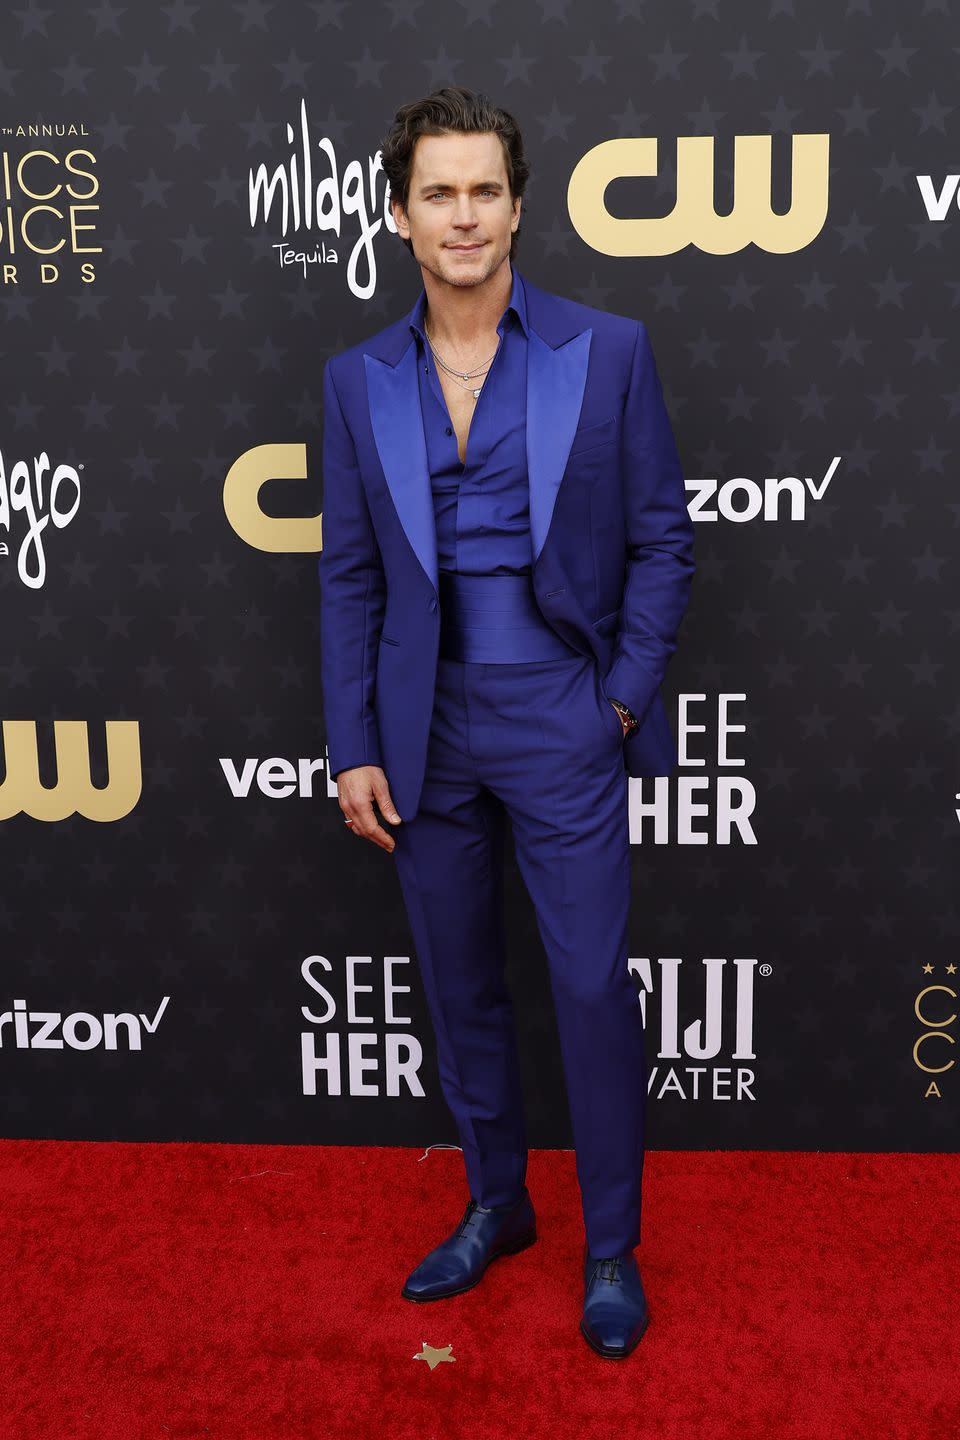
[{"x": 481, "y": 507}]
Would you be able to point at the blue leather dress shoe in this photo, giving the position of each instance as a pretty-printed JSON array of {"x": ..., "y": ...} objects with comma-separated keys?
[
  {"x": 614, "y": 1305},
  {"x": 459, "y": 1262}
]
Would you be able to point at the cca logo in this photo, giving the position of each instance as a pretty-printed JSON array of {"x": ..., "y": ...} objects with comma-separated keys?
[
  {"x": 74, "y": 792},
  {"x": 937, "y": 1027},
  {"x": 693, "y": 219}
]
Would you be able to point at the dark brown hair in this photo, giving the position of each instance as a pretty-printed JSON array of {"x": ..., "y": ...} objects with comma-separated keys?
[{"x": 451, "y": 110}]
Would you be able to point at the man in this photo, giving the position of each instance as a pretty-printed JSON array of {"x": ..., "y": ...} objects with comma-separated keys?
[{"x": 506, "y": 560}]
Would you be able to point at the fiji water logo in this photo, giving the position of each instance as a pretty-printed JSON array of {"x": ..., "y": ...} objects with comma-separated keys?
[{"x": 720, "y": 1033}]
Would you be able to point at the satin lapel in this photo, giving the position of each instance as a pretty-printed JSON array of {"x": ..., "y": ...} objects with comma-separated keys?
[
  {"x": 556, "y": 378},
  {"x": 555, "y": 385},
  {"x": 394, "y": 399}
]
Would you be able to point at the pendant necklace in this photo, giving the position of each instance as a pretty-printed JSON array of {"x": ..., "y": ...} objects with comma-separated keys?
[{"x": 460, "y": 375}]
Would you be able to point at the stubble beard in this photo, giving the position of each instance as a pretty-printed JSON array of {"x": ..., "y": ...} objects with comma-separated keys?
[{"x": 451, "y": 270}]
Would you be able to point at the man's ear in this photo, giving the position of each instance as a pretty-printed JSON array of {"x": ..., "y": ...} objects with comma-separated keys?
[{"x": 398, "y": 209}]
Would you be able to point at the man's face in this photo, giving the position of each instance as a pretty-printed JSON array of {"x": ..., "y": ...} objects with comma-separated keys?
[{"x": 460, "y": 218}]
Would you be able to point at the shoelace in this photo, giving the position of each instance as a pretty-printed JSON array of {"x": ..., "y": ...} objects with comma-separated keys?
[
  {"x": 472, "y": 1208},
  {"x": 468, "y": 1215},
  {"x": 612, "y": 1274}
]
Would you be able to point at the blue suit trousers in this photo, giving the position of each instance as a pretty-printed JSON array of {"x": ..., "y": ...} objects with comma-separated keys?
[{"x": 536, "y": 741}]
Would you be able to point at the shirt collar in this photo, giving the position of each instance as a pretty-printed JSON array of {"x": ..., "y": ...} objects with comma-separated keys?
[{"x": 517, "y": 303}]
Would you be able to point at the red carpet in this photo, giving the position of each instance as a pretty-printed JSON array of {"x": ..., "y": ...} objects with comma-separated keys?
[{"x": 237, "y": 1291}]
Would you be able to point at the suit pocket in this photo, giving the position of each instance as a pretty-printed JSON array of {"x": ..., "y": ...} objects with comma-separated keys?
[
  {"x": 588, "y": 437},
  {"x": 388, "y": 640},
  {"x": 611, "y": 715}
]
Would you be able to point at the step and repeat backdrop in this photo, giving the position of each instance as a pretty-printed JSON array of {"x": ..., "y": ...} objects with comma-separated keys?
[{"x": 193, "y": 219}]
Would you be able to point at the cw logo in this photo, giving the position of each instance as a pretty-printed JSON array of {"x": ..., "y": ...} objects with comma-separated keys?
[
  {"x": 74, "y": 792},
  {"x": 693, "y": 219},
  {"x": 241, "y": 500}
]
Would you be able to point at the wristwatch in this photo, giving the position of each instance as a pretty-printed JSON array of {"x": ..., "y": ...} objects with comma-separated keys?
[{"x": 626, "y": 715}]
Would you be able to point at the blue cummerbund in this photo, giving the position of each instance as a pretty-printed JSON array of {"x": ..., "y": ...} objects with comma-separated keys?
[{"x": 495, "y": 619}]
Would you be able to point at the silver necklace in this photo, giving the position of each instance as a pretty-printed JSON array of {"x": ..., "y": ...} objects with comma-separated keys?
[{"x": 459, "y": 375}]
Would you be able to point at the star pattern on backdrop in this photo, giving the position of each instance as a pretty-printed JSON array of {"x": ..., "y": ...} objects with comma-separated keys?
[{"x": 192, "y": 346}]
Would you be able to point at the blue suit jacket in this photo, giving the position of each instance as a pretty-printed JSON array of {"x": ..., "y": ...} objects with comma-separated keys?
[{"x": 611, "y": 539}]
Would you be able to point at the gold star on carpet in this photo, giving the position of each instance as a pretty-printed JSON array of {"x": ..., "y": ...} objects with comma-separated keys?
[{"x": 434, "y": 1356}]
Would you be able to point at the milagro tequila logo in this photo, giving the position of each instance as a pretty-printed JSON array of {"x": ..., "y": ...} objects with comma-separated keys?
[
  {"x": 310, "y": 203},
  {"x": 29, "y": 501}
]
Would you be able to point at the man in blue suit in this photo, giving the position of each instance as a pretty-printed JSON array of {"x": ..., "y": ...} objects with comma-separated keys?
[{"x": 506, "y": 560}]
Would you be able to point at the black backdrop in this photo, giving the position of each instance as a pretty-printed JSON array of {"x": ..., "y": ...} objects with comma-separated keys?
[{"x": 165, "y": 325}]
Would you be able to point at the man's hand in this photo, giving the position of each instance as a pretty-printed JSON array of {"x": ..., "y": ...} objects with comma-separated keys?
[{"x": 357, "y": 789}]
